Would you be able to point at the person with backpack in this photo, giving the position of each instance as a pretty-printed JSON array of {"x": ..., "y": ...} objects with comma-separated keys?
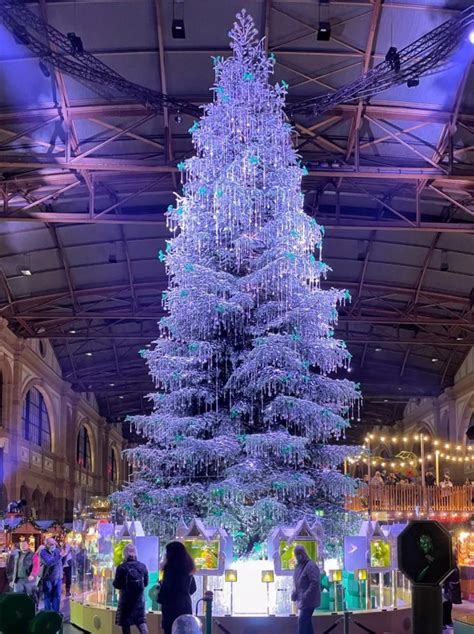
[
  {"x": 177, "y": 586},
  {"x": 131, "y": 578}
]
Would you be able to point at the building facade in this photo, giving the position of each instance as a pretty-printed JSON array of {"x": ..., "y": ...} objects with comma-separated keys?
[
  {"x": 56, "y": 451},
  {"x": 447, "y": 416}
]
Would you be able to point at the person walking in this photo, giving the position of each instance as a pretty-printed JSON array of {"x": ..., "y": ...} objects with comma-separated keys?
[
  {"x": 22, "y": 569},
  {"x": 451, "y": 595},
  {"x": 306, "y": 589},
  {"x": 67, "y": 568},
  {"x": 131, "y": 578},
  {"x": 177, "y": 586},
  {"x": 51, "y": 560}
]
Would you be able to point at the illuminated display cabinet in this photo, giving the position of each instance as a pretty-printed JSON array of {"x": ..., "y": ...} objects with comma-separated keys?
[
  {"x": 210, "y": 547},
  {"x": 283, "y": 540}
]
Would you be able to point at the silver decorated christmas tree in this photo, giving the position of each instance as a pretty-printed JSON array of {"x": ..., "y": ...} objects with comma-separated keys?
[{"x": 247, "y": 420}]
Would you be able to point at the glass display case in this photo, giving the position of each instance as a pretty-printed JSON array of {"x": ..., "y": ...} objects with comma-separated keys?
[{"x": 97, "y": 549}]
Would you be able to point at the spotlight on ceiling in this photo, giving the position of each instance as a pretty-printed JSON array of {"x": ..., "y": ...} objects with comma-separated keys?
[
  {"x": 177, "y": 30},
  {"x": 21, "y": 35},
  {"x": 26, "y": 272},
  {"x": 178, "y": 118},
  {"x": 177, "y": 26},
  {"x": 471, "y": 36},
  {"x": 413, "y": 82},
  {"x": 44, "y": 68},
  {"x": 393, "y": 59},
  {"x": 77, "y": 48},
  {"x": 324, "y": 31}
]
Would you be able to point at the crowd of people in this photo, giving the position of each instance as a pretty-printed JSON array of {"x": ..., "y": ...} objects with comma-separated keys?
[
  {"x": 42, "y": 574},
  {"x": 177, "y": 585},
  {"x": 383, "y": 478}
]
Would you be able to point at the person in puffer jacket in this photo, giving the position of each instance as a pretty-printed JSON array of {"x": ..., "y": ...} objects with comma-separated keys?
[{"x": 306, "y": 589}]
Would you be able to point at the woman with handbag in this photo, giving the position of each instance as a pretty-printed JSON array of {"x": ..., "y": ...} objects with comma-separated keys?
[{"x": 177, "y": 585}]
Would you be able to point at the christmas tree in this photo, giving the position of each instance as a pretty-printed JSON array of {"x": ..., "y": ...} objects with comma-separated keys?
[{"x": 245, "y": 409}]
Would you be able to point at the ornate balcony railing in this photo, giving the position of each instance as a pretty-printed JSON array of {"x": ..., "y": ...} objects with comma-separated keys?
[{"x": 409, "y": 497}]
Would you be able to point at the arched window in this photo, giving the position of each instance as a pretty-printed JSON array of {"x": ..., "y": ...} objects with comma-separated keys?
[
  {"x": 36, "y": 426},
  {"x": 83, "y": 449},
  {"x": 113, "y": 467}
]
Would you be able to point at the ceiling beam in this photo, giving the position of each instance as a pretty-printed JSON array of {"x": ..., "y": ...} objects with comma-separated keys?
[
  {"x": 119, "y": 110},
  {"x": 388, "y": 317}
]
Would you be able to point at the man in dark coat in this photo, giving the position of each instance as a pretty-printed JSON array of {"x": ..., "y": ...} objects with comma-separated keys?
[
  {"x": 131, "y": 578},
  {"x": 306, "y": 589},
  {"x": 451, "y": 594},
  {"x": 51, "y": 560}
]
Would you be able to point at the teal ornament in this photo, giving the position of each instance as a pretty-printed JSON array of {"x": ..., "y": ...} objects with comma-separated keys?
[
  {"x": 290, "y": 256},
  {"x": 313, "y": 223},
  {"x": 184, "y": 293},
  {"x": 220, "y": 308},
  {"x": 322, "y": 228},
  {"x": 219, "y": 193},
  {"x": 179, "y": 211},
  {"x": 193, "y": 346},
  {"x": 290, "y": 404},
  {"x": 194, "y": 127},
  {"x": 219, "y": 90},
  {"x": 164, "y": 295},
  {"x": 181, "y": 166},
  {"x": 142, "y": 353},
  {"x": 189, "y": 267},
  {"x": 216, "y": 59},
  {"x": 234, "y": 413},
  {"x": 286, "y": 450},
  {"x": 176, "y": 375},
  {"x": 306, "y": 378},
  {"x": 304, "y": 170},
  {"x": 179, "y": 437},
  {"x": 242, "y": 437},
  {"x": 294, "y": 233},
  {"x": 295, "y": 336},
  {"x": 254, "y": 160},
  {"x": 259, "y": 341},
  {"x": 161, "y": 256},
  {"x": 202, "y": 190},
  {"x": 305, "y": 364},
  {"x": 331, "y": 332},
  {"x": 272, "y": 57},
  {"x": 169, "y": 246},
  {"x": 248, "y": 76},
  {"x": 287, "y": 377},
  {"x": 170, "y": 209},
  {"x": 164, "y": 321},
  {"x": 347, "y": 296},
  {"x": 225, "y": 99},
  {"x": 312, "y": 259}
]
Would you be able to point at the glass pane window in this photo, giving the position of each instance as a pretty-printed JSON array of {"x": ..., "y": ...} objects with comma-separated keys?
[{"x": 36, "y": 425}]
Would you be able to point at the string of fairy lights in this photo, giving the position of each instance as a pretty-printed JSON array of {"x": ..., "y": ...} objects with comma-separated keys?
[{"x": 439, "y": 449}]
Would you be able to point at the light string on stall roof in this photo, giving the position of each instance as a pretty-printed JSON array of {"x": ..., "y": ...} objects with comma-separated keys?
[{"x": 384, "y": 461}]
